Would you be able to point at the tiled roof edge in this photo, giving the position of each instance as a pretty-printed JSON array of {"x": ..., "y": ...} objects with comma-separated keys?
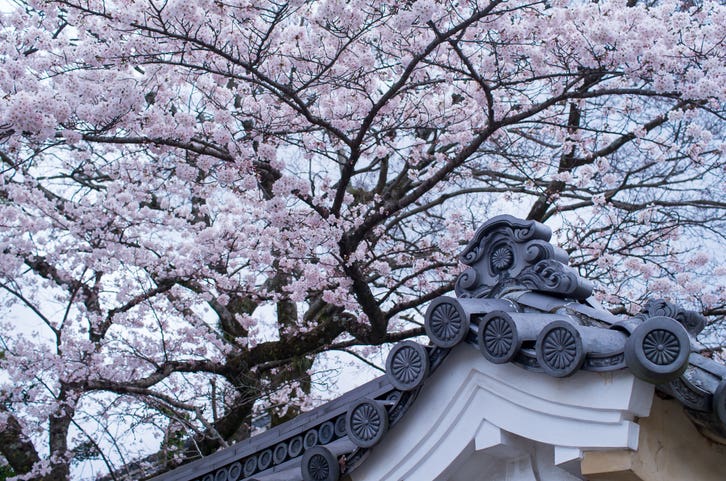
[{"x": 517, "y": 302}]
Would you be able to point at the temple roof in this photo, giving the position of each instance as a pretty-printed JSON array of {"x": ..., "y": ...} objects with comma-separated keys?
[{"x": 522, "y": 308}]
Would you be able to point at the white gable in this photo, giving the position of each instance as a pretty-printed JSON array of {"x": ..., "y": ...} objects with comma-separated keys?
[{"x": 479, "y": 421}]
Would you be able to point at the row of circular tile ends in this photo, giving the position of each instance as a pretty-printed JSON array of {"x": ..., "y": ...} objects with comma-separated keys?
[
  {"x": 364, "y": 424},
  {"x": 655, "y": 349}
]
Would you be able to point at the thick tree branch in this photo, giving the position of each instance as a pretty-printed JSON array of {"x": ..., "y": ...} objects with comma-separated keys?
[{"x": 15, "y": 446}]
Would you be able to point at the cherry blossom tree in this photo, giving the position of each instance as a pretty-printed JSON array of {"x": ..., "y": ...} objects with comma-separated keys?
[{"x": 198, "y": 199}]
